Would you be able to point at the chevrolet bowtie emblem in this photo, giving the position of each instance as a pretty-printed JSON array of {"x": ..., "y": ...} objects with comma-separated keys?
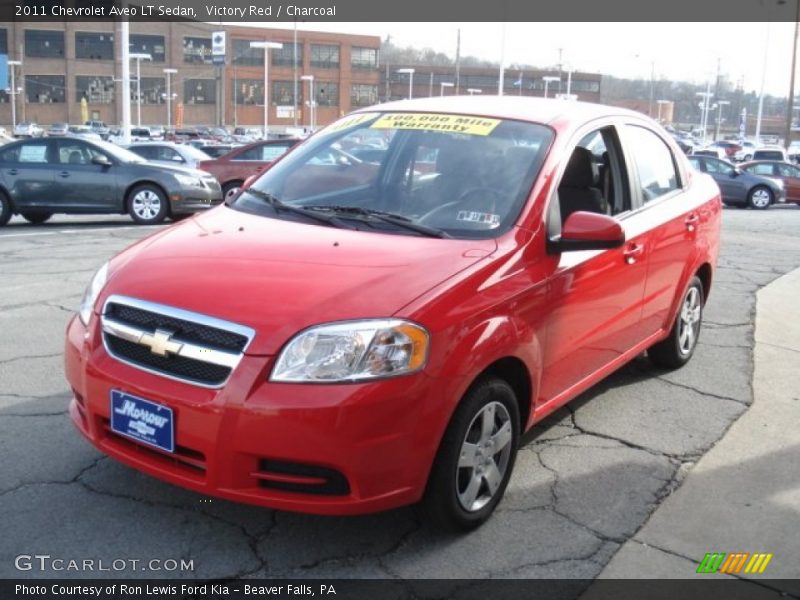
[{"x": 160, "y": 342}]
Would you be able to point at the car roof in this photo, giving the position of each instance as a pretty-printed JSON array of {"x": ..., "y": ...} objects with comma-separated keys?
[{"x": 522, "y": 108}]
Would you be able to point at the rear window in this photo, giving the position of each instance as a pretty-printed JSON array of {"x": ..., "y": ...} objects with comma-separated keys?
[{"x": 768, "y": 155}]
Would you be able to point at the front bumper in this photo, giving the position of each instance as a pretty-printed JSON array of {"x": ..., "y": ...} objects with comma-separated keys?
[
  {"x": 195, "y": 199},
  {"x": 380, "y": 438}
]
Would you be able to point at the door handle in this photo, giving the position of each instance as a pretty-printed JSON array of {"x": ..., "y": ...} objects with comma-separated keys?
[
  {"x": 64, "y": 174},
  {"x": 691, "y": 222},
  {"x": 12, "y": 171},
  {"x": 632, "y": 252}
]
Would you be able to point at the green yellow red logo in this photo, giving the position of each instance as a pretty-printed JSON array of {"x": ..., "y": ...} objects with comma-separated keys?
[{"x": 734, "y": 563}]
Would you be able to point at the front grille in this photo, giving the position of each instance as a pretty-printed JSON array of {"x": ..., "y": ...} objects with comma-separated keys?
[
  {"x": 185, "y": 330},
  {"x": 301, "y": 478},
  {"x": 185, "y": 368},
  {"x": 173, "y": 342}
]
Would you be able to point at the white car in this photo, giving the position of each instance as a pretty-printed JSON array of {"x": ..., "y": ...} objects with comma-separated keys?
[
  {"x": 713, "y": 151},
  {"x": 83, "y": 132},
  {"x": 770, "y": 153},
  {"x": 746, "y": 153},
  {"x": 168, "y": 153},
  {"x": 28, "y": 129}
]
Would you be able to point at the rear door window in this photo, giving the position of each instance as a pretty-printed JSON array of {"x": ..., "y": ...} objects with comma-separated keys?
[{"x": 653, "y": 163}]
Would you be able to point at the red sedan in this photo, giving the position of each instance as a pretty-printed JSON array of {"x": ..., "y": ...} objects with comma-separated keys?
[
  {"x": 349, "y": 336},
  {"x": 233, "y": 168}
]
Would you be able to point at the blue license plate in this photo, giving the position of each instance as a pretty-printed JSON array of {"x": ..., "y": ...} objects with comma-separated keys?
[{"x": 142, "y": 420}]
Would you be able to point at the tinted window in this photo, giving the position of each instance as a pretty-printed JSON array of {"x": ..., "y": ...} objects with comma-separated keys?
[
  {"x": 75, "y": 153},
  {"x": 717, "y": 166},
  {"x": 653, "y": 162},
  {"x": 263, "y": 153},
  {"x": 761, "y": 169},
  {"x": 788, "y": 171}
]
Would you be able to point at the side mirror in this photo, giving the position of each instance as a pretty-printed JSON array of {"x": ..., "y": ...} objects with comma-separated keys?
[
  {"x": 589, "y": 231},
  {"x": 101, "y": 160}
]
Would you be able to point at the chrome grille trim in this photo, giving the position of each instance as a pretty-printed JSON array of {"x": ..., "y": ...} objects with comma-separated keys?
[{"x": 188, "y": 350}]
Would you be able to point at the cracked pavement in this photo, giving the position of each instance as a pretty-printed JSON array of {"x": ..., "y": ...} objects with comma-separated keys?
[{"x": 586, "y": 479}]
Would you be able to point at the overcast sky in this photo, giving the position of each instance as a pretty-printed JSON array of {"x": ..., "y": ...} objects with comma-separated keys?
[{"x": 686, "y": 51}]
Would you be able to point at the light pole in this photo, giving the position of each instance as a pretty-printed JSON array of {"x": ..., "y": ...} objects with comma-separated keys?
[
  {"x": 311, "y": 103},
  {"x": 473, "y": 91},
  {"x": 720, "y": 104},
  {"x": 139, "y": 57},
  {"x": 706, "y": 98},
  {"x": 266, "y": 47},
  {"x": 13, "y": 93},
  {"x": 169, "y": 73},
  {"x": 410, "y": 73},
  {"x": 790, "y": 102},
  {"x": 548, "y": 79},
  {"x": 444, "y": 84}
]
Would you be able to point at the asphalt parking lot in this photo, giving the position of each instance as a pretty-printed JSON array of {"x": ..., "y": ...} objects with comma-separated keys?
[{"x": 585, "y": 481}]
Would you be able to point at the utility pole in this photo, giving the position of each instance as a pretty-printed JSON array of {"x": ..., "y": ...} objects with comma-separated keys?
[
  {"x": 458, "y": 60},
  {"x": 787, "y": 138}
]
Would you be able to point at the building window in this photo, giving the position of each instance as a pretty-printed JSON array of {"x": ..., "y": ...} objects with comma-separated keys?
[
  {"x": 249, "y": 91},
  {"x": 200, "y": 91},
  {"x": 197, "y": 50},
  {"x": 284, "y": 56},
  {"x": 324, "y": 56},
  {"x": 94, "y": 46},
  {"x": 44, "y": 89},
  {"x": 153, "y": 90},
  {"x": 246, "y": 56},
  {"x": 40, "y": 43},
  {"x": 362, "y": 94},
  {"x": 364, "y": 58},
  {"x": 326, "y": 93},
  {"x": 149, "y": 44},
  {"x": 3, "y": 41},
  {"x": 584, "y": 86},
  {"x": 283, "y": 93},
  {"x": 96, "y": 90}
]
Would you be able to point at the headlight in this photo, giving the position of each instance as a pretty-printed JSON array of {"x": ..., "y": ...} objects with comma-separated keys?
[
  {"x": 91, "y": 293},
  {"x": 353, "y": 351},
  {"x": 188, "y": 180}
]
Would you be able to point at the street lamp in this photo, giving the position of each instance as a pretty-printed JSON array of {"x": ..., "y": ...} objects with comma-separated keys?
[
  {"x": 720, "y": 104},
  {"x": 169, "y": 73},
  {"x": 13, "y": 93},
  {"x": 707, "y": 95},
  {"x": 444, "y": 84},
  {"x": 311, "y": 103},
  {"x": 473, "y": 91},
  {"x": 265, "y": 46},
  {"x": 410, "y": 73},
  {"x": 139, "y": 57},
  {"x": 548, "y": 79}
]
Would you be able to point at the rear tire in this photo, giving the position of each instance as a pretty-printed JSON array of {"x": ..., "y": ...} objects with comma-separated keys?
[
  {"x": 760, "y": 197},
  {"x": 147, "y": 204},
  {"x": 475, "y": 458},
  {"x": 678, "y": 348},
  {"x": 37, "y": 218},
  {"x": 5, "y": 209},
  {"x": 229, "y": 186}
]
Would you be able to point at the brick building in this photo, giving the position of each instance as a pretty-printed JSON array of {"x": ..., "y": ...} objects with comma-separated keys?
[{"x": 63, "y": 63}]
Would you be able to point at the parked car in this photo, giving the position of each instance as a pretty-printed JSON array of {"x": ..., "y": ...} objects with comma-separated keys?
[
  {"x": 99, "y": 128},
  {"x": 712, "y": 151},
  {"x": 770, "y": 153},
  {"x": 427, "y": 322},
  {"x": 58, "y": 129},
  {"x": 237, "y": 165},
  {"x": 793, "y": 151},
  {"x": 170, "y": 153},
  {"x": 788, "y": 173},
  {"x": 83, "y": 132},
  {"x": 27, "y": 129},
  {"x": 141, "y": 134},
  {"x": 730, "y": 148},
  {"x": 156, "y": 132},
  {"x": 746, "y": 152},
  {"x": 41, "y": 177},
  {"x": 218, "y": 150},
  {"x": 740, "y": 188}
]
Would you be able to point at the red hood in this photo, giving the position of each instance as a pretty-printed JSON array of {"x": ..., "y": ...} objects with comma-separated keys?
[{"x": 280, "y": 276}]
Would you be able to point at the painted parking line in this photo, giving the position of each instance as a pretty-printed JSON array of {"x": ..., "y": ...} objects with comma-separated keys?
[{"x": 68, "y": 231}]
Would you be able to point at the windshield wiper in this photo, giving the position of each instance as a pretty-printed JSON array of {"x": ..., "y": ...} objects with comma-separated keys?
[
  {"x": 279, "y": 206},
  {"x": 386, "y": 217}
]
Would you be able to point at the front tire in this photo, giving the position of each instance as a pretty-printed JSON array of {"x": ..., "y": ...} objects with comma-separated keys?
[
  {"x": 37, "y": 218},
  {"x": 5, "y": 209},
  {"x": 475, "y": 458},
  {"x": 760, "y": 197},
  {"x": 678, "y": 348},
  {"x": 147, "y": 204}
]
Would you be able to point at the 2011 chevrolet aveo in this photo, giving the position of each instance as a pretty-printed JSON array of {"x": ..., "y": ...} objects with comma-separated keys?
[{"x": 378, "y": 318}]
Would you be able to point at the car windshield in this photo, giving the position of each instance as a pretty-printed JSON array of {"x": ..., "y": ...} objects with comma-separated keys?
[{"x": 437, "y": 174}]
